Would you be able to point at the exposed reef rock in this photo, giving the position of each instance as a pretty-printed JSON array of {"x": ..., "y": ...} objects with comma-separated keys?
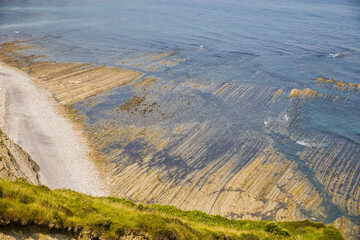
[
  {"x": 276, "y": 95},
  {"x": 144, "y": 83},
  {"x": 220, "y": 89},
  {"x": 341, "y": 85},
  {"x": 305, "y": 93},
  {"x": 337, "y": 167},
  {"x": 68, "y": 82},
  {"x": 242, "y": 180},
  {"x": 154, "y": 61}
]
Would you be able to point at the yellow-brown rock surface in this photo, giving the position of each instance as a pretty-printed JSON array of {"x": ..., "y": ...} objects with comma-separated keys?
[
  {"x": 68, "y": 82},
  {"x": 15, "y": 162},
  {"x": 305, "y": 93},
  {"x": 340, "y": 84}
]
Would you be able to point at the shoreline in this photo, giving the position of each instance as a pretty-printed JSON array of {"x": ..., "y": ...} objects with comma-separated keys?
[{"x": 28, "y": 115}]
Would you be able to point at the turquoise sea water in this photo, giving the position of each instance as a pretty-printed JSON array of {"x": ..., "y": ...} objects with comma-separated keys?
[{"x": 270, "y": 45}]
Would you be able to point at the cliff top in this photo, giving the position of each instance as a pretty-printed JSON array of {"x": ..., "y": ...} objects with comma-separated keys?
[{"x": 83, "y": 216}]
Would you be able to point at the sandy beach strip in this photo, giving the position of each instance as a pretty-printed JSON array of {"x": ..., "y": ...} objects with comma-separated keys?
[{"x": 29, "y": 117}]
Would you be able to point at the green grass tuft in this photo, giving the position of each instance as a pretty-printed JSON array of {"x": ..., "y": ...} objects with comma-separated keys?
[{"x": 110, "y": 218}]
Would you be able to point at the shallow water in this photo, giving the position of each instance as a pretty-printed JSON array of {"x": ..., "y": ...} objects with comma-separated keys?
[{"x": 254, "y": 47}]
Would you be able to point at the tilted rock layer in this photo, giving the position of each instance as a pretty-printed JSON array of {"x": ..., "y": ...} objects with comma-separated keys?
[
  {"x": 156, "y": 151},
  {"x": 15, "y": 162}
]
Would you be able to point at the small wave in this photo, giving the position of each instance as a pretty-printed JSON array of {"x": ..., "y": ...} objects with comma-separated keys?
[
  {"x": 201, "y": 47},
  {"x": 306, "y": 143},
  {"x": 286, "y": 117},
  {"x": 334, "y": 55},
  {"x": 267, "y": 121}
]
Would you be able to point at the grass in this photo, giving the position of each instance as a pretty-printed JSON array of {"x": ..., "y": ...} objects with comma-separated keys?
[{"x": 23, "y": 204}]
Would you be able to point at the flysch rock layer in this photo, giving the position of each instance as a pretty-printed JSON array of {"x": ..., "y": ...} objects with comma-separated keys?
[
  {"x": 15, "y": 162},
  {"x": 152, "y": 157}
]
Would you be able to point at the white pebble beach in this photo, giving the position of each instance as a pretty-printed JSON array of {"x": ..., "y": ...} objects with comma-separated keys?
[{"x": 28, "y": 115}]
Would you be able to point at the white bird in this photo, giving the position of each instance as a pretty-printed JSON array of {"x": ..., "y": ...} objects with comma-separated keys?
[{"x": 16, "y": 32}]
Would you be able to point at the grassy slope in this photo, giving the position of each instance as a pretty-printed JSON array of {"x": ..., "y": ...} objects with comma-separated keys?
[{"x": 25, "y": 204}]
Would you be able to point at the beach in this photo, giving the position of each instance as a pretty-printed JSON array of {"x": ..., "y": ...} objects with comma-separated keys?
[{"x": 30, "y": 117}]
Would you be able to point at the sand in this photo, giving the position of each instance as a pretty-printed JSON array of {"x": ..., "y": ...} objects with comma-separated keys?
[{"x": 28, "y": 115}]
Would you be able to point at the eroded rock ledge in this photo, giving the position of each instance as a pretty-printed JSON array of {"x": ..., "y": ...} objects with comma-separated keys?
[{"x": 15, "y": 162}]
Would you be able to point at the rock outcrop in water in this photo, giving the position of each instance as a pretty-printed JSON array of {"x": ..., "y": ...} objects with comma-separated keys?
[
  {"x": 305, "y": 93},
  {"x": 153, "y": 61},
  {"x": 341, "y": 85}
]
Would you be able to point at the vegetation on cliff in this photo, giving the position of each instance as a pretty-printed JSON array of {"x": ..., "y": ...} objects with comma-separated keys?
[{"x": 24, "y": 204}]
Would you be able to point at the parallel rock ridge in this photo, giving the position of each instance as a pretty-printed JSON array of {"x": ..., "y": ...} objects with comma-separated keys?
[
  {"x": 248, "y": 180},
  {"x": 305, "y": 93},
  {"x": 156, "y": 151},
  {"x": 68, "y": 82},
  {"x": 15, "y": 162},
  {"x": 154, "y": 61},
  {"x": 244, "y": 180},
  {"x": 340, "y": 84}
]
